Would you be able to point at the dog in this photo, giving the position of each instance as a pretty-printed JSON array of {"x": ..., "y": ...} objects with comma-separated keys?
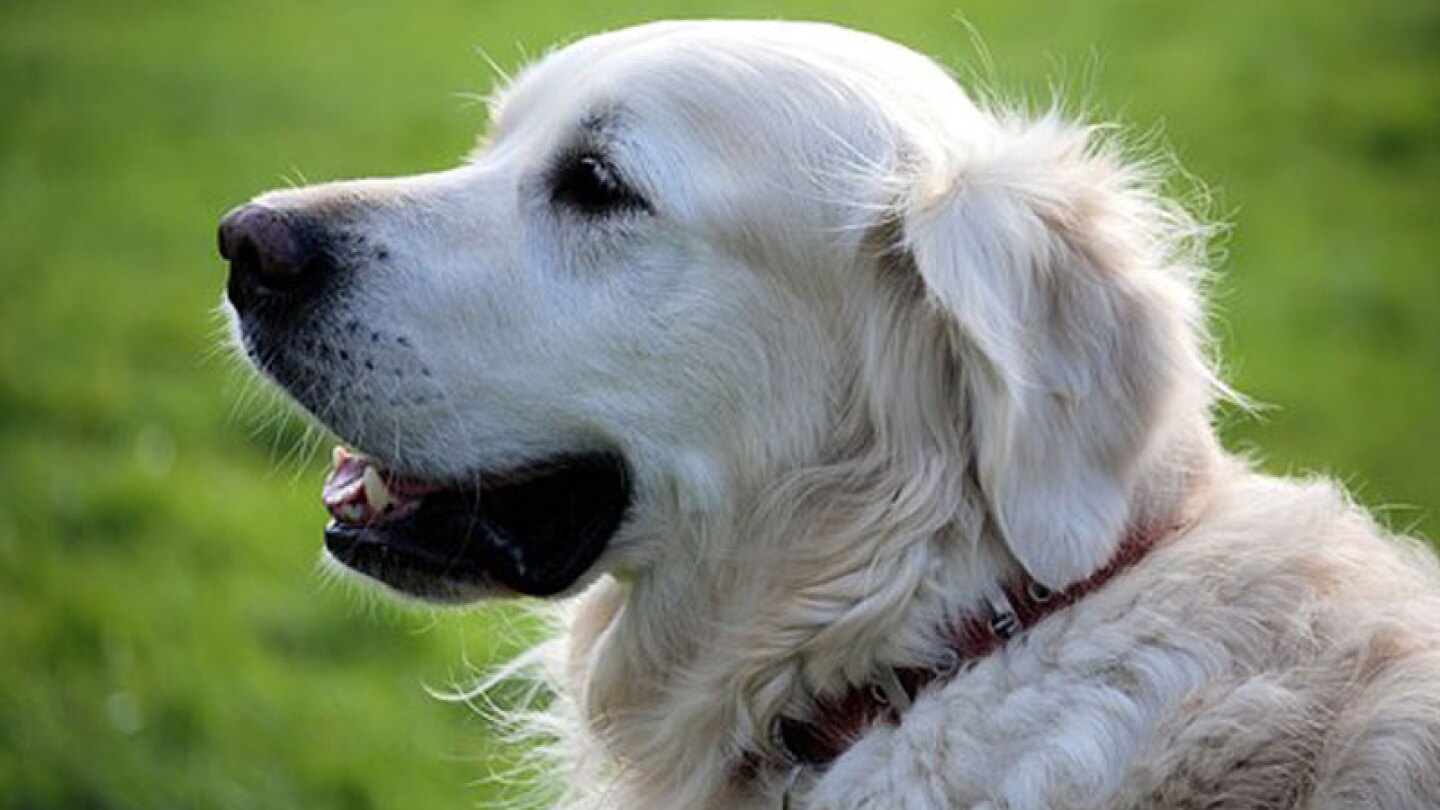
[{"x": 864, "y": 430}]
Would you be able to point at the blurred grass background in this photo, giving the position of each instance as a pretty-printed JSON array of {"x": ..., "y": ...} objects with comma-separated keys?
[{"x": 164, "y": 638}]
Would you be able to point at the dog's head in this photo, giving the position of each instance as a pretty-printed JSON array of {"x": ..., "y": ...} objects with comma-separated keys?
[{"x": 692, "y": 258}]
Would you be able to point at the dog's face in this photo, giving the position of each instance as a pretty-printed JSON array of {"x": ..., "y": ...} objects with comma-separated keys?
[{"x": 648, "y": 290}]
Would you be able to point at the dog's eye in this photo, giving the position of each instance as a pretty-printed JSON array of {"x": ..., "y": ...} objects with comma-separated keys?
[{"x": 590, "y": 185}]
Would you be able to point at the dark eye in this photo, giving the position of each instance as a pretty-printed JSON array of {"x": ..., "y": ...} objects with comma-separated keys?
[{"x": 591, "y": 185}]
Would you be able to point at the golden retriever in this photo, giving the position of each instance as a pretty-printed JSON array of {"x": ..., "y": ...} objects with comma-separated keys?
[{"x": 869, "y": 426}]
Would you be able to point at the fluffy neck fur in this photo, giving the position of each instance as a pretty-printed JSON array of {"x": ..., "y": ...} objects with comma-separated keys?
[{"x": 850, "y": 563}]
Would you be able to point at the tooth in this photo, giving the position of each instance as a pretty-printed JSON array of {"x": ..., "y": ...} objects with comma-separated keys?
[
  {"x": 337, "y": 456},
  {"x": 352, "y": 512},
  {"x": 376, "y": 493}
]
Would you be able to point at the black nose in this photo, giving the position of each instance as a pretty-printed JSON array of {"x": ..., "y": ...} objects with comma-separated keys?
[{"x": 272, "y": 254}]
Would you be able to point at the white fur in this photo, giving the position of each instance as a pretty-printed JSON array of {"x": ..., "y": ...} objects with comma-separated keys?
[{"x": 877, "y": 349}]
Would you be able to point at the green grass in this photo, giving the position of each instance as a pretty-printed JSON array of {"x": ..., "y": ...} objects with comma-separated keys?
[{"x": 164, "y": 638}]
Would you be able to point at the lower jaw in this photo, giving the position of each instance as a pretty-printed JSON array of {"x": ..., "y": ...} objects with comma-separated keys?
[
  {"x": 537, "y": 538},
  {"x": 377, "y": 562}
]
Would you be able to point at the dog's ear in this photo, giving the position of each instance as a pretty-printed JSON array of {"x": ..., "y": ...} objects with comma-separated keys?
[{"x": 1048, "y": 263}]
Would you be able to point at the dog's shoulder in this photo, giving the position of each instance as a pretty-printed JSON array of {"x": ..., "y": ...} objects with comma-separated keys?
[{"x": 1283, "y": 626}]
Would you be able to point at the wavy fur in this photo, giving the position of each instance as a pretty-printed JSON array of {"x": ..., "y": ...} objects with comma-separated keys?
[{"x": 879, "y": 349}]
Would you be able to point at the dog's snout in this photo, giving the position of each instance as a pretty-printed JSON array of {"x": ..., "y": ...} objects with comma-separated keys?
[{"x": 271, "y": 253}]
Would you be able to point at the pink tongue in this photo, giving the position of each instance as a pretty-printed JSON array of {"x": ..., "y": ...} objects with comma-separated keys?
[{"x": 347, "y": 501}]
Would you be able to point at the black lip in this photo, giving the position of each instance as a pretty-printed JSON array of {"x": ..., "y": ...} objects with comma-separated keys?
[{"x": 536, "y": 536}]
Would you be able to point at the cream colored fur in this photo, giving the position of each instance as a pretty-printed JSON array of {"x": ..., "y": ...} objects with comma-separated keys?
[{"x": 878, "y": 349}]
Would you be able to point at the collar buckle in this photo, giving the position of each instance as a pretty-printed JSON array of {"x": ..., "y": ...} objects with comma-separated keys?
[{"x": 1004, "y": 621}]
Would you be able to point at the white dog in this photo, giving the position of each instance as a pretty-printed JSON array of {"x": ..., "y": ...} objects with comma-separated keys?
[{"x": 871, "y": 426}]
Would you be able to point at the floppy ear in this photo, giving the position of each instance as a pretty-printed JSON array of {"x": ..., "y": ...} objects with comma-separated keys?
[{"x": 1048, "y": 262}]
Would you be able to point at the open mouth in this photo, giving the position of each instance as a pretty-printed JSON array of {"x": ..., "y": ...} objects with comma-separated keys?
[{"x": 535, "y": 530}]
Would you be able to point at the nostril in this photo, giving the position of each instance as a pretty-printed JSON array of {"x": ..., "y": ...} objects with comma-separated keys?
[{"x": 245, "y": 259}]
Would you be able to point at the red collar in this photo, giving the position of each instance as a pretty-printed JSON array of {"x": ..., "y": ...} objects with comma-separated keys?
[{"x": 840, "y": 720}]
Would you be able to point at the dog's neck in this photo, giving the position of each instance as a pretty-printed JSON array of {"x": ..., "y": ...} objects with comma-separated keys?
[
  {"x": 681, "y": 671},
  {"x": 838, "y": 720}
]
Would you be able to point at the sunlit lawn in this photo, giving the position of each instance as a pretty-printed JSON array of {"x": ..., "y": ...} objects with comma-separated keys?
[{"x": 165, "y": 637}]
